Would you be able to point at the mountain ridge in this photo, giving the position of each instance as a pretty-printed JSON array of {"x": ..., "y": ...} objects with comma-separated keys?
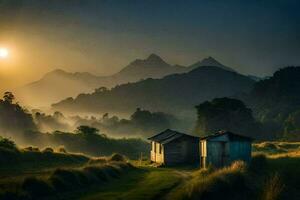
[
  {"x": 59, "y": 84},
  {"x": 172, "y": 93}
]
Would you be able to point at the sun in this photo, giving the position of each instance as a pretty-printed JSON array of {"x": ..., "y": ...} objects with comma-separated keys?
[{"x": 3, "y": 53}]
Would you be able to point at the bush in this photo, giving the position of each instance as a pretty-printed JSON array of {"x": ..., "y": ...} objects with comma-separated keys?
[
  {"x": 117, "y": 157},
  {"x": 36, "y": 187},
  {"x": 64, "y": 179},
  {"x": 48, "y": 150},
  {"x": 225, "y": 183},
  {"x": 6, "y": 143},
  {"x": 239, "y": 166},
  {"x": 98, "y": 160},
  {"x": 33, "y": 149},
  {"x": 61, "y": 149},
  {"x": 97, "y": 172}
]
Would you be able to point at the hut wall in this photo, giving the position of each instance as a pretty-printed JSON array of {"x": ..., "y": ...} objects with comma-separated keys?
[
  {"x": 220, "y": 153},
  {"x": 157, "y": 154},
  {"x": 217, "y": 153},
  {"x": 240, "y": 150},
  {"x": 182, "y": 150}
]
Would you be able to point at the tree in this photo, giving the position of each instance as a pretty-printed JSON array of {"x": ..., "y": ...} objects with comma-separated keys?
[
  {"x": 151, "y": 121},
  {"x": 87, "y": 130},
  {"x": 8, "y": 97},
  {"x": 101, "y": 90},
  {"x": 225, "y": 114},
  {"x": 292, "y": 125},
  {"x": 13, "y": 117}
]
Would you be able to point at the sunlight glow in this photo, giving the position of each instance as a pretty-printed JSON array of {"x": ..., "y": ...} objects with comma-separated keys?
[{"x": 3, "y": 53}]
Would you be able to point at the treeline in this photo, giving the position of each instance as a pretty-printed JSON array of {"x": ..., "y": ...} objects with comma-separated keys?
[
  {"x": 17, "y": 123},
  {"x": 142, "y": 123},
  {"x": 90, "y": 141},
  {"x": 13, "y": 117},
  {"x": 270, "y": 111}
]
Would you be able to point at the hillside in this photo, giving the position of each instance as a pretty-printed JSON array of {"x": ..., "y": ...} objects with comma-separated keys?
[
  {"x": 209, "y": 61},
  {"x": 59, "y": 84},
  {"x": 172, "y": 94},
  {"x": 276, "y": 100},
  {"x": 279, "y": 94}
]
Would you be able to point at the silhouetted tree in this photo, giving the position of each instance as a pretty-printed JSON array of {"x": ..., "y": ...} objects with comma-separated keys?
[
  {"x": 13, "y": 117},
  {"x": 225, "y": 114},
  {"x": 8, "y": 97},
  {"x": 292, "y": 126},
  {"x": 87, "y": 130}
]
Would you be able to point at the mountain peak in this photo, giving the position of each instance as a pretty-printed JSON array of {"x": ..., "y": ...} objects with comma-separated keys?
[
  {"x": 154, "y": 58},
  {"x": 210, "y": 62},
  {"x": 56, "y": 72}
]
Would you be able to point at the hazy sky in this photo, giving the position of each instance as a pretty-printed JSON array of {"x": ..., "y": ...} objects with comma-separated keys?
[{"x": 102, "y": 36}]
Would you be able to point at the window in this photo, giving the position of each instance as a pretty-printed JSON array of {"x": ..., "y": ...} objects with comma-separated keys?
[{"x": 160, "y": 147}]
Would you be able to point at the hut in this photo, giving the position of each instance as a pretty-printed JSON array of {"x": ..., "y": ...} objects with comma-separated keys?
[
  {"x": 171, "y": 147},
  {"x": 223, "y": 148}
]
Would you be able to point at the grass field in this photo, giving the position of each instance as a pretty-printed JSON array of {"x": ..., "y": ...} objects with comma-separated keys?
[
  {"x": 56, "y": 175},
  {"x": 144, "y": 183}
]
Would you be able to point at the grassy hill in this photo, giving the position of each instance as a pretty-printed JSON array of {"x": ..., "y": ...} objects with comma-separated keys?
[{"x": 273, "y": 174}]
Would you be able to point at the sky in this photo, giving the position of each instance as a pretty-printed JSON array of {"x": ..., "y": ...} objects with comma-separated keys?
[{"x": 102, "y": 36}]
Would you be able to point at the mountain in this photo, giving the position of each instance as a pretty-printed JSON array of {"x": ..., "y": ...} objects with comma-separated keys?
[
  {"x": 54, "y": 86},
  {"x": 172, "y": 94},
  {"x": 152, "y": 67},
  {"x": 210, "y": 61},
  {"x": 59, "y": 84},
  {"x": 275, "y": 102},
  {"x": 273, "y": 99}
]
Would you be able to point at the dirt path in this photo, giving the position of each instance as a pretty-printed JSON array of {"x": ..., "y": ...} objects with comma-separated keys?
[{"x": 146, "y": 184}]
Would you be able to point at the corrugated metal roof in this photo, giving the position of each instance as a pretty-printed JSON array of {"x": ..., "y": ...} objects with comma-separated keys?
[
  {"x": 168, "y": 136},
  {"x": 231, "y": 136}
]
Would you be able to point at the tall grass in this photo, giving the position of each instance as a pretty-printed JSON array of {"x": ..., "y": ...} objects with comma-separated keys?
[
  {"x": 225, "y": 183},
  {"x": 64, "y": 180},
  {"x": 273, "y": 188}
]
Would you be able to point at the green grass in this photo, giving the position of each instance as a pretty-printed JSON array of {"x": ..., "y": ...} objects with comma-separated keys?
[
  {"x": 144, "y": 183},
  {"x": 276, "y": 176}
]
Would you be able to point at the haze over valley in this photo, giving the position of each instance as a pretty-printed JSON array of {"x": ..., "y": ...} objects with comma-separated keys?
[{"x": 166, "y": 100}]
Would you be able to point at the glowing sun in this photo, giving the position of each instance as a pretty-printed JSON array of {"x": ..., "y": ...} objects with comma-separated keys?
[{"x": 3, "y": 53}]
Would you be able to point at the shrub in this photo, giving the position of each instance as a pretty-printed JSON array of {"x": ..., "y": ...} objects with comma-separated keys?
[
  {"x": 48, "y": 150},
  {"x": 268, "y": 145},
  {"x": 33, "y": 149},
  {"x": 239, "y": 166},
  {"x": 111, "y": 171},
  {"x": 225, "y": 183},
  {"x": 61, "y": 149},
  {"x": 6, "y": 143},
  {"x": 117, "y": 157},
  {"x": 64, "y": 179},
  {"x": 273, "y": 188},
  {"x": 98, "y": 160},
  {"x": 36, "y": 187},
  {"x": 97, "y": 172},
  {"x": 70, "y": 179}
]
